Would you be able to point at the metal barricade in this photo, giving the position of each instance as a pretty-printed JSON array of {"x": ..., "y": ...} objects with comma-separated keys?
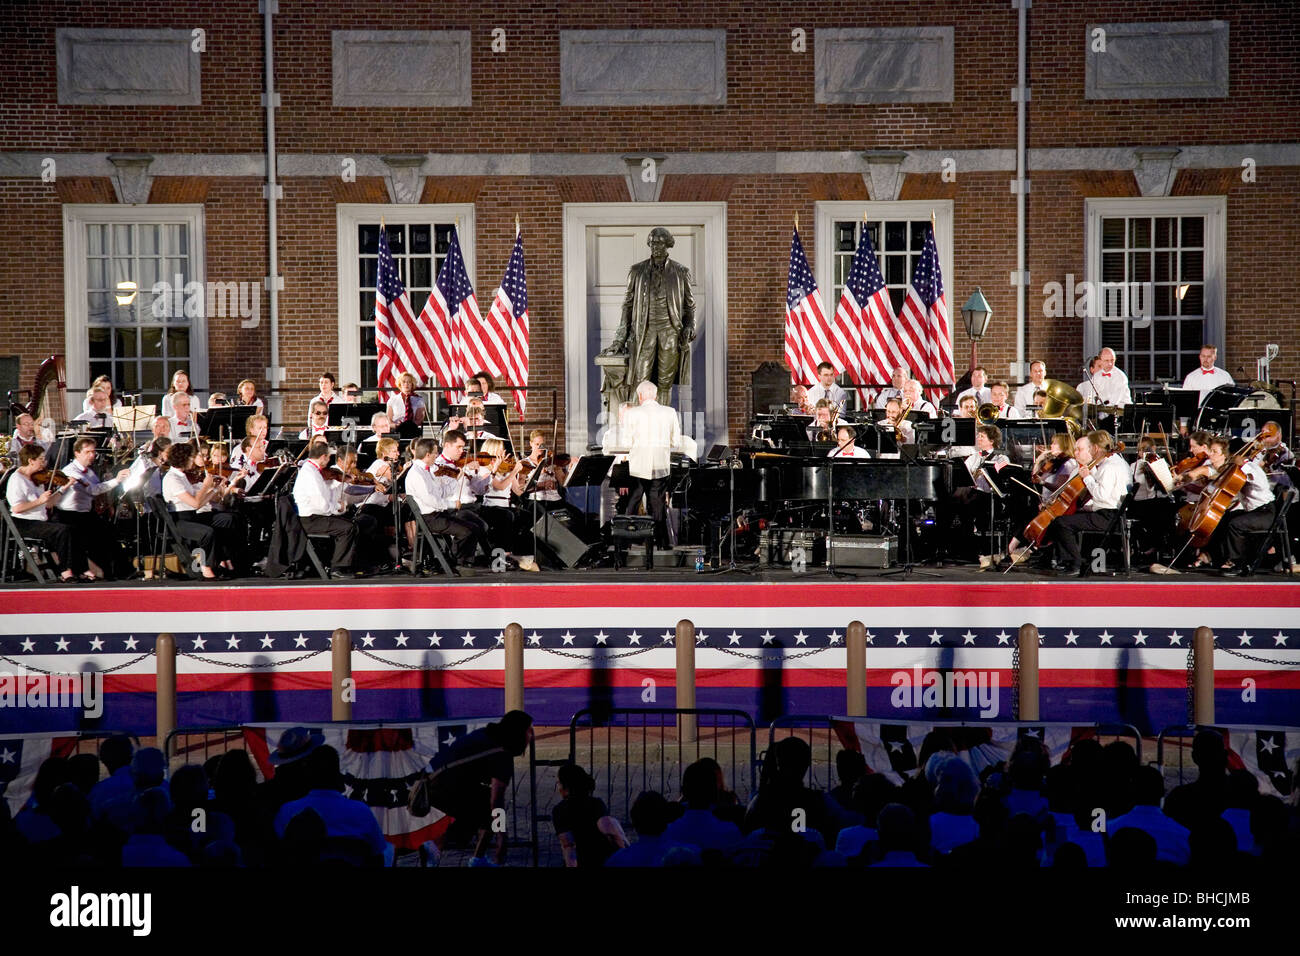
[{"x": 1184, "y": 770}]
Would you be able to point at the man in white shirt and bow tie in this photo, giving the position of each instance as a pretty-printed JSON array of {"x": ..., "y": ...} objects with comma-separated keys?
[
  {"x": 1108, "y": 384},
  {"x": 652, "y": 432},
  {"x": 1209, "y": 376}
]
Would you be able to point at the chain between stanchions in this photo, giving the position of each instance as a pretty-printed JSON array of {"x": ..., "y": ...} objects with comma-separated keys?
[
  {"x": 104, "y": 670},
  {"x": 1015, "y": 682},
  {"x": 769, "y": 656},
  {"x": 248, "y": 667},
  {"x": 1249, "y": 657},
  {"x": 578, "y": 656},
  {"x": 424, "y": 667}
]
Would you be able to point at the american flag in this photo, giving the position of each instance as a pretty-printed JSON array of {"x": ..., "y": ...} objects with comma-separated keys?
[
  {"x": 807, "y": 338},
  {"x": 458, "y": 327},
  {"x": 510, "y": 311},
  {"x": 925, "y": 317},
  {"x": 865, "y": 309},
  {"x": 402, "y": 343}
]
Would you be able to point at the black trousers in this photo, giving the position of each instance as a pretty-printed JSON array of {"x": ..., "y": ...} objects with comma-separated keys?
[
  {"x": 224, "y": 535},
  {"x": 503, "y": 527},
  {"x": 466, "y": 529},
  {"x": 93, "y": 537},
  {"x": 344, "y": 533},
  {"x": 54, "y": 536},
  {"x": 1156, "y": 521},
  {"x": 654, "y": 490},
  {"x": 1067, "y": 532},
  {"x": 1230, "y": 536}
]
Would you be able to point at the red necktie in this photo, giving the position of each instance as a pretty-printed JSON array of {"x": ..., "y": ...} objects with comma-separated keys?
[{"x": 407, "y": 398}]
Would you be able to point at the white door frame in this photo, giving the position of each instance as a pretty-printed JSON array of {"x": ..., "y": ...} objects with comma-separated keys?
[{"x": 578, "y": 367}]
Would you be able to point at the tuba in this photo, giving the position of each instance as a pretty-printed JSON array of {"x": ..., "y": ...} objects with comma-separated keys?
[
  {"x": 1063, "y": 402},
  {"x": 986, "y": 414}
]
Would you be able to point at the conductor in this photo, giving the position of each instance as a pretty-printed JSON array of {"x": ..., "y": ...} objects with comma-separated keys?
[{"x": 652, "y": 431}]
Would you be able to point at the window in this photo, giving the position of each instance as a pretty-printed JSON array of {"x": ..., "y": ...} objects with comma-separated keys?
[
  {"x": 418, "y": 238},
  {"x": 141, "y": 342},
  {"x": 1156, "y": 269},
  {"x": 897, "y": 231}
]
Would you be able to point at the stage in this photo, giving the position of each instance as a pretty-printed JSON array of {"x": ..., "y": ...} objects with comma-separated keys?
[{"x": 1111, "y": 650}]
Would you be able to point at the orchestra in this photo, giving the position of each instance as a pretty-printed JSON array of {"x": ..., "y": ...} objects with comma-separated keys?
[{"x": 1195, "y": 503}]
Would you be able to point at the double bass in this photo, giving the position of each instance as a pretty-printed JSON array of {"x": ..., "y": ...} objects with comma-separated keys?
[
  {"x": 1202, "y": 519},
  {"x": 1064, "y": 501}
]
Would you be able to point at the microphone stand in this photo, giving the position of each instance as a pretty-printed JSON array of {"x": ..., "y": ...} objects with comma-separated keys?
[{"x": 732, "y": 462}]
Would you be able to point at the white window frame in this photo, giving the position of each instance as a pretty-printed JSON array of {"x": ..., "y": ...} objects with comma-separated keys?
[
  {"x": 830, "y": 212},
  {"x": 351, "y": 215},
  {"x": 76, "y": 216},
  {"x": 1215, "y": 211}
]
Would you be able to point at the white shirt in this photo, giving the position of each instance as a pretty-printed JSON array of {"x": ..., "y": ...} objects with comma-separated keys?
[
  {"x": 1144, "y": 490},
  {"x": 1107, "y": 483},
  {"x": 853, "y": 452},
  {"x": 982, "y": 395},
  {"x": 397, "y": 407},
  {"x": 195, "y": 405},
  {"x": 377, "y": 497},
  {"x": 22, "y": 490},
  {"x": 86, "y": 406},
  {"x": 181, "y": 432},
  {"x": 420, "y": 486},
  {"x": 885, "y": 395},
  {"x": 312, "y": 431},
  {"x": 925, "y": 406},
  {"x": 19, "y": 442},
  {"x": 834, "y": 393},
  {"x": 466, "y": 489},
  {"x": 256, "y": 403},
  {"x": 1024, "y": 398},
  {"x": 1257, "y": 492},
  {"x": 93, "y": 418},
  {"x": 175, "y": 483},
  {"x": 1107, "y": 389},
  {"x": 81, "y": 497},
  {"x": 973, "y": 463},
  {"x": 492, "y": 398},
  {"x": 311, "y": 493},
  {"x": 1009, "y": 411},
  {"x": 239, "y": 459},
  {"x": 653, "y": 432},
  {"x": 1206, "y": 381}
]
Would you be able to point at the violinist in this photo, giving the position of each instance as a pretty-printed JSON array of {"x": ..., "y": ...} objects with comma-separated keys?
[
  {"x": 255, "y": 428},
  {"x": 1152, "y": 509},
  {"x": 1052, "y": 468},
  {"x": 1251, "y": 511},
  {"x": 189, "y": 492},
  {"x": 148, "y": 469},
  {"x": 1274, "y": 457},
  {"x": 1105, "y": 477},
  {"x": 351, "y": 491},
  {"x": 504, "y": 523},
  {"x": 28, "y": 504},
  {"x": 379, "y": 503},
  {"x": 971, "y": 504},
  {"x": 318, "y": 510},
  {"x": 555, "y": 471},
  {"x": 75, "y": 508},
  {"x": 1191, "y": 474},
  {"x": 440, "y": 488}
]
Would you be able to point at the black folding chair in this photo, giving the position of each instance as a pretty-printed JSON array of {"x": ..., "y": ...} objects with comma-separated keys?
[
  {"x": 170, "y": 538},
  {"x": 28, "y": 551},
  {"x": 1118, "y": 527},
  {"x": 439, "y": 545},
  {"x": 1277, "y": 534}
]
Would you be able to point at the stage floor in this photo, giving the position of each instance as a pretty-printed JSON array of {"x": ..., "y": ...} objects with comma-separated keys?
[{"x": 1111, "y": 649}]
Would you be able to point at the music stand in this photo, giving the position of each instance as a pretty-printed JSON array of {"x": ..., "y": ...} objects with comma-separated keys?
[
  {"x": 909, "y": 453},
  {"x": 886, "y": 442},
  {"x": 361, "y": 412},
  {"x": 587, "y": 471},
  {"x": 731, "y": 462}
]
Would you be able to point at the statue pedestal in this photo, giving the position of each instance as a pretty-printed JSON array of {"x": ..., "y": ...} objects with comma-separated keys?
[{"x": 614, "y": 389}]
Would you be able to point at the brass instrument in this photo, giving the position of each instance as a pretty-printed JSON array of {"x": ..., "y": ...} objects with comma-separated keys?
[
  {"x": 898, "y": 425},
  {"x": 1063, "y": 402},
  {"x": 986, "y": 414}
]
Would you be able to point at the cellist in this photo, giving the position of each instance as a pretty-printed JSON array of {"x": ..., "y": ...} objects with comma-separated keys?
[
  {"x": 1251, "y": 511},
  {"x": 1106, "y": 477}
]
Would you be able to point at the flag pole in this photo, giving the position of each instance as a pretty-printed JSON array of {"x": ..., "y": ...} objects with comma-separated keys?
[
  {"x": 796, "y": 222},
  {"x": 516, "y": 225}
]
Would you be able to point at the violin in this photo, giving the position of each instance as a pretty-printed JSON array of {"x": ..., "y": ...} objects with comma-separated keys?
[
  {"x": 1190, "y": 463},
  {"x": 219, "y": 471},
  {"x": 53, "y": 479},
  {"x": 505, "y": 466}
]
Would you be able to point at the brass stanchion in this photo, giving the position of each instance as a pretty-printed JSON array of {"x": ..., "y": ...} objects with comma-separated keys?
[
  {"x": 685, "y": 640},
  {"x": 343, "y": 691},
  {"x": 514, "y": 635},
  {"x": 1027, "y": 690},
  {"x": 1203, "y": 677},
  {"x": 855, "y": 674}
]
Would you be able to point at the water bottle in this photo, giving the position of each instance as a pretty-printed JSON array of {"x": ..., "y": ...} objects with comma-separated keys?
[{"x": 699, "y": 560}]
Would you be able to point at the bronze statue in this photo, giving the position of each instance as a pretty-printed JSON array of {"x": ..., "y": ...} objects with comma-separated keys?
[{"x": 657, "y": 327}]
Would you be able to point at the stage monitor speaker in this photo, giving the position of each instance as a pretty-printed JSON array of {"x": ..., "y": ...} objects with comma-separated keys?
[
  {"x": 555, "y": 530},
  {"x": 769, "y": 385}
]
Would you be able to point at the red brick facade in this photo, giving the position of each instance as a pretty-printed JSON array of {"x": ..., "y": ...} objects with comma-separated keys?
[{"x": 770, "y": 107}]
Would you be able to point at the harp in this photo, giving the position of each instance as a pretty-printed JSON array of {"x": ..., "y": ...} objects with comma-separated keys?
[{"x": 48, "y": 397}]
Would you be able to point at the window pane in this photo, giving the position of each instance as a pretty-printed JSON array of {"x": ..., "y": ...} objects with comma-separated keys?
[
  {"x": 443, "y": 233},
  {"x": 1164, "y": 300},
  {"x": 100, "y": 342},
  {"x": 369, "y": 274},
  {"x": 1141, "y": 338},
  {"x": 368, "y": 340},
  {"x": 918, "y": 235},
  {"x": 1192, "y": 265},
  {"x": 1139, "y": 233},
  {"x": 123, "y": 240},
  {"x": 178, "y": 343},
  {"x": 421, "y": 272},
  {"x": 396, "y": 240},
  {"x": 895, "y": 236},
  {"x": 152, "y": 377},
  {"x": 148, "y": 234},
  {"x": 896, "y": 298},
  {"x": 417, "y": 301},
  {"x": 1112, "y": 267},
  {"x": 95, "y": 239},
  {"x": 173, "y": 267},
  {"x": 1165, "y": 338},
  {"x": 130, "y": 377},
  {"x": 1112, "y": 233},
  {"x": 368, "y": 307},
  {"x": 421, "y": 239},
  {"x": 1165, "y": 366},
  {"x": 1140, "y": 368},
  {"x": 369, "y": 374},
  {"x": 368, "y": 239},
  {"x": 176, "y": 239},
  {"x": 1193, "y": 230},
  {"x": 1164, "y": 266},
  {"x": 97, "y": 274},
  {"x": 896, "y": 270},
  {"x": 845, "y": 236},
  {"x": 1193, "y": 331},
  {"x": 151, "y": 342},
  {"x": 97, "y": 306},
  {"x": 1112, "y": 335},
  {"x": 1139, "y": 267},
  {"x": 1194, "y": 301}
]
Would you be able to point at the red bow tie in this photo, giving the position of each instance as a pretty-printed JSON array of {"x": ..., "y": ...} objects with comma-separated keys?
[
  {"x": 1105, "y": 374},
  {"x": 1207, "y": 371}
]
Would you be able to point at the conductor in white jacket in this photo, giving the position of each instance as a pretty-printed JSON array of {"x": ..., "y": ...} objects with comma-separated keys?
[{"x": 652, "y": 432}]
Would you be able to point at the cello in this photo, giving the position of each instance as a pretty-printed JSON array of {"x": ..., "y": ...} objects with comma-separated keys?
[
  {"x": 1064, "y": 501},
  {"x": 1201, "y": 520}
]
